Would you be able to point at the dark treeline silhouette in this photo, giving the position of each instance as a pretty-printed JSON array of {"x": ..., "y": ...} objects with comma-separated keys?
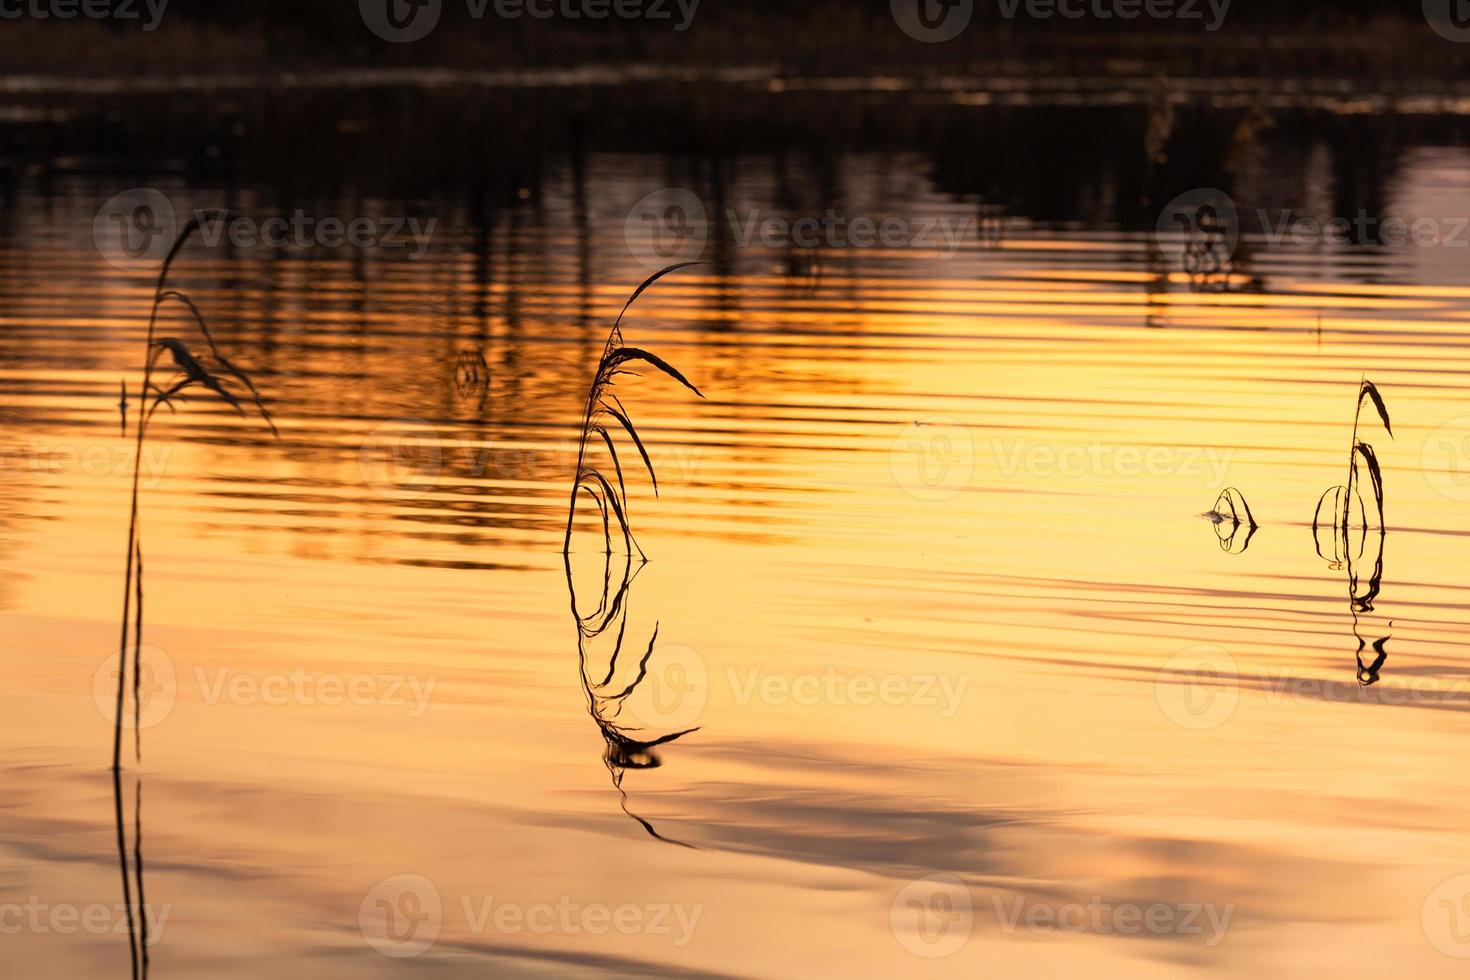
[
  {"x": 489, "y": 150},
  {"x": 1280, "y": 38}
]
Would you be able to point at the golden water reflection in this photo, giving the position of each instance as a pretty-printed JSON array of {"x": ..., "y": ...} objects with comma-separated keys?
[{"x": 927, "y": 557}]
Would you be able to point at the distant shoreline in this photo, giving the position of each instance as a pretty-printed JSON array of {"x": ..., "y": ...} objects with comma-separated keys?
[{"x": 1330, "y": 94}]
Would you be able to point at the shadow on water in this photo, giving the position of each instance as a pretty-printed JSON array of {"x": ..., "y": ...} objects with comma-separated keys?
[
  {"x": 628, "y": 745},
  {"x": 1348, "y": 535}
]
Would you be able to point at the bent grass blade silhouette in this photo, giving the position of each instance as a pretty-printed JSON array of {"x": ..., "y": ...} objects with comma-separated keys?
[
  {"x": 603, "y": 405},
  {"x": 1347, "y": 511},
  {"x": 627, "y": 746},
  {"x": 193, "y": 373}
]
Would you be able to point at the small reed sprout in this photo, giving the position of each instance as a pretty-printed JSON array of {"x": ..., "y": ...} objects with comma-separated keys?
[{"x": 1231, "y": 515}]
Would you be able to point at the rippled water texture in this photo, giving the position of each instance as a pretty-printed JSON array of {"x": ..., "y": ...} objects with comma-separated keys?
[{"x": 927, "y": 574}]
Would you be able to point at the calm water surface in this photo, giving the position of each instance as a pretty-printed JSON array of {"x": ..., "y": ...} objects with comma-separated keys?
[{"x": 926, "y": 568}]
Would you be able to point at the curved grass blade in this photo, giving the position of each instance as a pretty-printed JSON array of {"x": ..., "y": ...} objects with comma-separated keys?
[
  {"x": 633, "y": 433},
  {"x": 1338, "y": 543},
  {"x": 624, "y": 354},
  {"x": 224, "y": 362},
  {"x": 1370, "y": 458},
  {"x": 617, "y": 466},
  {"x": 1371, "y": 391},
  {"x": 666, "y": 270}
]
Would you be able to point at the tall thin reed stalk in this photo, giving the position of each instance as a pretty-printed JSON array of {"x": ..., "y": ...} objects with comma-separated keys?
[{"x": 192, "y": 373}]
